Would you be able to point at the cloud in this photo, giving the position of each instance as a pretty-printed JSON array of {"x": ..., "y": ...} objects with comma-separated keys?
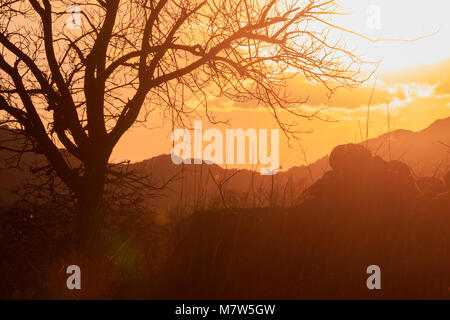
[
  {"x": 396, "y": 88},
  {"x": 436, "y": 75},
  {"x": 318, "y": 95}
]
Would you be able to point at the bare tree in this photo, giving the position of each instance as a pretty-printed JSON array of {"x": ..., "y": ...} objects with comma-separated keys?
[{"x": 79, "y": 90}]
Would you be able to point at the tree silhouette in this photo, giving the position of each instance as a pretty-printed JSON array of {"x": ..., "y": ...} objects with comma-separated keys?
[{"x": 77, "y": 89}]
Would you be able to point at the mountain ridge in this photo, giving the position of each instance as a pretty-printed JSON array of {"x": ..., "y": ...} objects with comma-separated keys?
[{"x": 201, "y": 186}]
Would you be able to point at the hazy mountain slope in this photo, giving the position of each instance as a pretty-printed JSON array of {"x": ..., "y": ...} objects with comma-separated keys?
[
  {"x": 198, "y": 187},
  {"x": 424, "y": 151}
]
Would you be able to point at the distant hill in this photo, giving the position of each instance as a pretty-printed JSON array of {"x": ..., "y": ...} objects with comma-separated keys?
[
  {"x": 425, "y": 152},
  {"x": 197, "y": 187}
]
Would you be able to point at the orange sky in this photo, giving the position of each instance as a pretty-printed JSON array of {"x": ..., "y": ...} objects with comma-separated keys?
[{"x": 412, "y": 79}]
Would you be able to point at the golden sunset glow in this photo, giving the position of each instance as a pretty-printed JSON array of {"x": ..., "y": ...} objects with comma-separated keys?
[
  {"x": 200, "y": 150},
  {"x": 414, "y": 50}
]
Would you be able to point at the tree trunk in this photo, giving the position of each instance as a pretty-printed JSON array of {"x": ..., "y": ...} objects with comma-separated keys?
[
  {"x": 88, "y": 219},
  {"x": 89, "y": 215}
]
